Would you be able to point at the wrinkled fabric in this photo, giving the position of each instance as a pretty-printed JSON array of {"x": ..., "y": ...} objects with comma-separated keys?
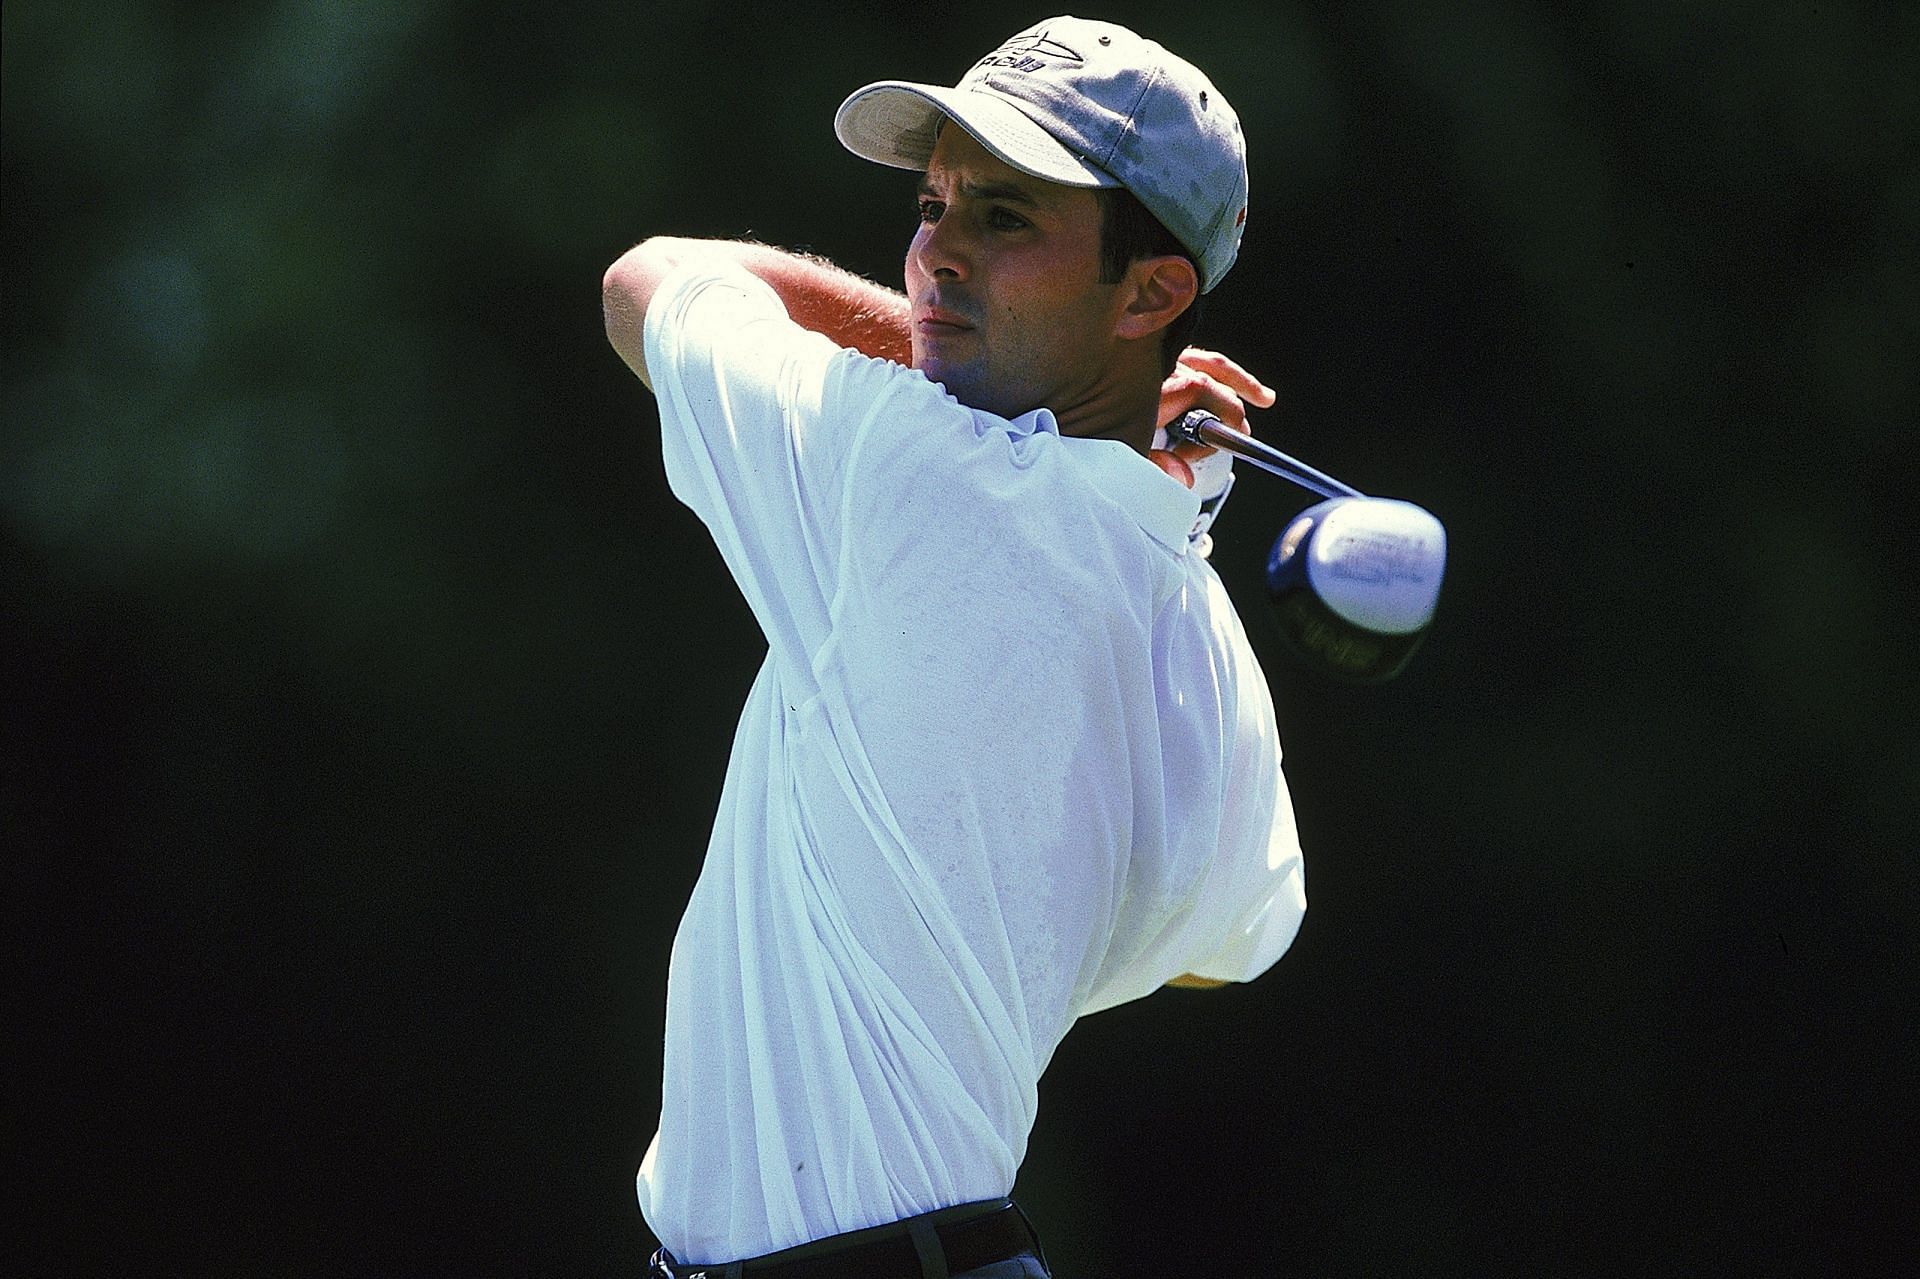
[{"x": 1009, "y": 760}]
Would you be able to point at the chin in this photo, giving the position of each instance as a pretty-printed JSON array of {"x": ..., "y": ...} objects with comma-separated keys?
[{"x": 974, "y": 389}]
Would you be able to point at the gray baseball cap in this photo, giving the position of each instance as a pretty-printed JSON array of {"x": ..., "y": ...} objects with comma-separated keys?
[{"x": 1084, "y": 104}]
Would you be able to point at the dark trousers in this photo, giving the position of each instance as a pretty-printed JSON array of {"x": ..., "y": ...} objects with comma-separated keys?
[
  {"x": 1025, "y": 1266},
  {"x": 989, "y": 1240}
]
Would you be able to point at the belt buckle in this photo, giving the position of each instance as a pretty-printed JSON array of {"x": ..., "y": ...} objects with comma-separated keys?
[{"x": 663, "y": 1265}]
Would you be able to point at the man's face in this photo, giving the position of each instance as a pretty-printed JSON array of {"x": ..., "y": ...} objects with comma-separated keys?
[{"x": 1009, "y": 313}]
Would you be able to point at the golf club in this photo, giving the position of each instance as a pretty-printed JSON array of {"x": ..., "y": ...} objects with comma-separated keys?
[{"x": 1353, "y": 580}]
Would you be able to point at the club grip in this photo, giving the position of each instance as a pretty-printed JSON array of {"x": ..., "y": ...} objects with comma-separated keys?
[{"x": 1203, "y": 428}]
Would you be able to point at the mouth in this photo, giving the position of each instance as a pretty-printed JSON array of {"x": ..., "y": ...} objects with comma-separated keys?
[{"x": 940, "y": 323}]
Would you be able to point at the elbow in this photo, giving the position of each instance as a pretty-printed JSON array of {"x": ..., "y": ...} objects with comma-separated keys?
[
  {"x": 626, "y": 290},
  {"x": 629, "y": 283},
  {"x": 632, "y": 269}
]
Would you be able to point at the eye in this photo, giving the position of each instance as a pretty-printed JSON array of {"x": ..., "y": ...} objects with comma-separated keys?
[
  {"x": 930, "y": 210},
  {"x": 1006, "y": 220}
]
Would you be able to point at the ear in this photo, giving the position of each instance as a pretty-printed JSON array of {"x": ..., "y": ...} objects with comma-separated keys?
[{"x": 1157, "y": 292}]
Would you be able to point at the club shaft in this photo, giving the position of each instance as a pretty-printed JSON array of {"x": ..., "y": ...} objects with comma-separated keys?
[{"x": 1201, "y": 427}]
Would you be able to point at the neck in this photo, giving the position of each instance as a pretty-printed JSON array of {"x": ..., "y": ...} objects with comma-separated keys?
[{"x": 1125, "y": 412}]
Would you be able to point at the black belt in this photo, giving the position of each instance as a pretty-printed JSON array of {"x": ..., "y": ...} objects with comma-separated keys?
[{"x": 951, "y": 1241}]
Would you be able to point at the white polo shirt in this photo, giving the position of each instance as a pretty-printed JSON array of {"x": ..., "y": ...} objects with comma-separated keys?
[{"x": 1010, "y": 760}]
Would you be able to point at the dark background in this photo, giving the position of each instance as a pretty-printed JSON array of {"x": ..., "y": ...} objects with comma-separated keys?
[{"x": 368, "y": 696}]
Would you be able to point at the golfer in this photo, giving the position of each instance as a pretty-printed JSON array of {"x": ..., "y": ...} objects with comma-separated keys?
[{"x": 1010, "y": 759}]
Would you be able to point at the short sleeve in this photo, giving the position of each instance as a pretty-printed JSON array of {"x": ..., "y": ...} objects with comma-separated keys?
[
  {"x": 1253, "y": 897},
  {"x": 747, "y": 441},
  {"x": 1230, "y": 842}
]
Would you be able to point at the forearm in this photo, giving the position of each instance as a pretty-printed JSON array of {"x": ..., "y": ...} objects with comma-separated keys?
[{"x": 848, "y": 310}]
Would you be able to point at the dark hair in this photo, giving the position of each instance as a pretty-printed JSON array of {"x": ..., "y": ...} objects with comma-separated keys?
[{"x": 1128, "y": 233}]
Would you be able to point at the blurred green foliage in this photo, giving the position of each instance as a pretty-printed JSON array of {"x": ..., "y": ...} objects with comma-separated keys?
[{"x": 371, "y": 694}]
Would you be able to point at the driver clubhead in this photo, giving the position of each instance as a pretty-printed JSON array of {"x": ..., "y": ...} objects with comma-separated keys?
[{"x": 1354, "y": 582}]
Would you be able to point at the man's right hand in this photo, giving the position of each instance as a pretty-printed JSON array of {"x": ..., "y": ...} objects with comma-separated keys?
[{"x": 1205, "y": 380}]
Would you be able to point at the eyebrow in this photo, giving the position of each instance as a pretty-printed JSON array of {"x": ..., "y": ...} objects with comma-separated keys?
[{"x": 1006, "y": 192}]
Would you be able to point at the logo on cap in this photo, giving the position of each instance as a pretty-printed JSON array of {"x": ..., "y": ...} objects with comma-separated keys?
[{"x": 1028, "y": 53}]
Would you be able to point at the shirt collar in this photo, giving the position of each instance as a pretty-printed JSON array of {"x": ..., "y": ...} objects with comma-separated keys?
[{"x": 1162, "y": 505}]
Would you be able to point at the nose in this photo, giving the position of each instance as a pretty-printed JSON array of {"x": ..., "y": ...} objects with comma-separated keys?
[{"x": 940, "y": 249}]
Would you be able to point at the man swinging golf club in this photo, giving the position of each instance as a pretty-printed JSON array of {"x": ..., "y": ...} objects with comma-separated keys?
[{"x": 1010, "y": 759}]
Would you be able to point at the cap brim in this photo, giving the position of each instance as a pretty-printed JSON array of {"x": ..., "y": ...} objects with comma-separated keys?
[{"x": 895, "y": 122}]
